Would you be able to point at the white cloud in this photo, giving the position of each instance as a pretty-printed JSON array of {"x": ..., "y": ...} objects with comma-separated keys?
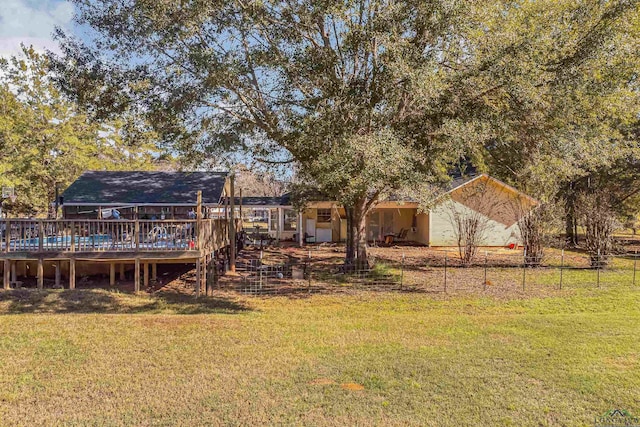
[{"x": 31, "y": 22}]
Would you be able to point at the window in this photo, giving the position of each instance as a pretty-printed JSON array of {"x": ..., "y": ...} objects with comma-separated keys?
[
  {"x": 290, "y": 220},
  {"x": 274, "y": 220},
  {"x": 324, "y": 215}
]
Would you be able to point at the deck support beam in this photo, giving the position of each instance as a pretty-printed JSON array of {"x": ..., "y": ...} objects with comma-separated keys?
[
  {"x": 154, "y": 272},
  {"x": 58, "y": 274},
  {"x": 198, "y": 277},
  {"x": 136, "y": 276},
  {"x": 14, "y": 275},
  {"x": 72, "y": 273},
  {"x": 40, "y": 273},
  {"x": 205, "y": 267},
  {"x": 146, "y": 275},
  {"x": 6, "y": 278},
  {"x": 112, "y": 274},
  {"x": 122, "y": 273}
]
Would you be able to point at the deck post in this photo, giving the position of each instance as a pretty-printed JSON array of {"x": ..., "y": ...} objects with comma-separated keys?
[
  {"x": 203, "y": 283},
  {"x": 6, "y": 277},
  {"x": 58, "y": 274},
  {"x": 72, "y": 273},
  {"x": 210, "y": 274},
  {"x": 199, "y": 220},
  {"x": 40, "y": 235},
  {"x": 198, "y": 277},
  {"x": 73, "y": 236},
  {"x": 14, "y": 275},
  {"x": 214, "y": 270},
  {"x": 136, "y": 276},
  {"x": 232, "y": 225},
  {"x": 112, "y": 274},
  {"x": 7, "y": 235},
  {"x": 154, "y": 272},
  {"x": 145, "y": 276},
  {"x": 207, "y": 260},
  {"x": 136, "y": 232},
  {"x": 40, "y": 272},
  {"x": 122, "y": 273}
]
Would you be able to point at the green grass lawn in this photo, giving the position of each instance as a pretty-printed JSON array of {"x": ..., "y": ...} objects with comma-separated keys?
[{"x": 422, "y": 359}]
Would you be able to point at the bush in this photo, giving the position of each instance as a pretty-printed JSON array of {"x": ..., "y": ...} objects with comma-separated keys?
[{"x": 596, "y": 214}]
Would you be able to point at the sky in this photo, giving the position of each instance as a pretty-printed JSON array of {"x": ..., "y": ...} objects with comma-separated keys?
[{"x": 32, "y": 22}]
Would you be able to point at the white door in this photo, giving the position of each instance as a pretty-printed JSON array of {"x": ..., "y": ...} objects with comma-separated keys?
[{"x": 310, "y": 229}]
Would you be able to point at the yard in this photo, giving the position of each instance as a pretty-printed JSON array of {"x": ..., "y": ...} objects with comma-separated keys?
[{"x": 97, "y": 357}]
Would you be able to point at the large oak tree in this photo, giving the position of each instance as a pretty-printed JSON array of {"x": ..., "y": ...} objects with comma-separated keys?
[{"x": 366, "y": 97}]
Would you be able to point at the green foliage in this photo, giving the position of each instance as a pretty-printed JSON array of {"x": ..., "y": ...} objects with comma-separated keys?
[
  {"x": 573, "y": 107},
  {"x": 47, "y": 141},
  {"x": 370, "y": 97}
]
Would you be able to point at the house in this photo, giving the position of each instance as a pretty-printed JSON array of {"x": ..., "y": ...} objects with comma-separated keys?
[
  {"x": 143, "y": 195},
  {"x": 492, "y": 204}
]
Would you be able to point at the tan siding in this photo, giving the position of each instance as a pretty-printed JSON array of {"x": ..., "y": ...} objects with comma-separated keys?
[
  {"x": 422, "y": 228},
  {"x": 443, "y": 234}
]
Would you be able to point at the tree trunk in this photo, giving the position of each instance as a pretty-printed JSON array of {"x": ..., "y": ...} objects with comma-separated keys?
[
  {"x": 356, "y": 251},
  {"x": 571, "y": 226},
  {"x": 350, "y": 249}
]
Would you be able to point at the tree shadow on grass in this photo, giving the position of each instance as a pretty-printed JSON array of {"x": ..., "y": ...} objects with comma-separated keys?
[{"x": 109, "y": 302}]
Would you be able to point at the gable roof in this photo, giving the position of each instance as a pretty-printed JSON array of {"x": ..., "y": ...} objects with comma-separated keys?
[
  {"x": 464, "y": 180},
  {"x": 138, "y": 188}
]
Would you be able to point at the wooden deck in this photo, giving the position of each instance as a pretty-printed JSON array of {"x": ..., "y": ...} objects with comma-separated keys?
[{"x": 117, "y": 241}]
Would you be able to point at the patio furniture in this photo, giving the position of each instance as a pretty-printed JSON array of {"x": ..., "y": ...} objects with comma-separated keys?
[
  {"x": 402, "y": 236},
  {"x": 392, "y": 237}
]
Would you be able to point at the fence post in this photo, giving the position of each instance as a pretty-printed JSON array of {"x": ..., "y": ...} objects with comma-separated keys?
[
  {"x": 635, "y": 262},
  {"x": 445, "y": 273},
  {"x": 598, "y": 270},
  {"x": 524, "y": 270},
  {"x": 309, "y": 271},
  {"x": 260, "y": 268},
  {"x": 402, "y": 273},
  {"x": 485, "y": 270},
  {"x": 561, "y": 267}
]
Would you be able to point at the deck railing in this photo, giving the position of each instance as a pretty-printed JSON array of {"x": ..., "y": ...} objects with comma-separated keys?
[{"x": 33, "y": 235}]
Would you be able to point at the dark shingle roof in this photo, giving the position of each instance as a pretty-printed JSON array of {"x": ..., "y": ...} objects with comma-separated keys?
[
  {"x": 108, "y": 188},
  {"x": 284, "y": 200},
  {"x": 460, "y": 181}
]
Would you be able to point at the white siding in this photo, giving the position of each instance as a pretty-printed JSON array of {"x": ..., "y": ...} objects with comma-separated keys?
[{"x": 442, "y": 230}]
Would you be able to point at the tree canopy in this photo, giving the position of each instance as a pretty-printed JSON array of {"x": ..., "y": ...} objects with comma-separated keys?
[
  {"x": 368, "y": 97},
  {"x": 47, "y": 141}
]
